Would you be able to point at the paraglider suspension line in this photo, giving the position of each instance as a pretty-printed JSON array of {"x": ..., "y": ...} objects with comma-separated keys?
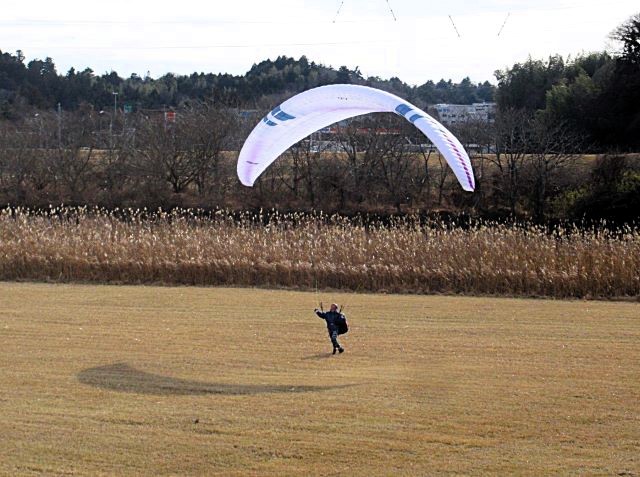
[
  {"x": 388, "y": 5},
  {"x": 454, "y": 26},
  {"x": 338, "y": 12},
  {"x": 391, "y": 10},
  {"x": 504, "y": 23}
]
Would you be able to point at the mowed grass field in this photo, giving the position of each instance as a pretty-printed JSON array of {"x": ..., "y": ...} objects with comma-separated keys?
[{"x": 135, "y": 380}]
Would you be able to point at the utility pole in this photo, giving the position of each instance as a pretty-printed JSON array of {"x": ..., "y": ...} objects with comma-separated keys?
[
  {"x": 113, "y": 117},
  {"x": 59, "y": 126},
  {"x": 40, "y": 136}
]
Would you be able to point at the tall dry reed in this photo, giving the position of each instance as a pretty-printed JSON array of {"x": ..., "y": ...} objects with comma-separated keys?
[{"x": 308, "y": 252}]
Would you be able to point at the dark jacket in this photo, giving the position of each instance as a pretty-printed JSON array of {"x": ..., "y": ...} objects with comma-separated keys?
[{"x": 334, "y": 320}]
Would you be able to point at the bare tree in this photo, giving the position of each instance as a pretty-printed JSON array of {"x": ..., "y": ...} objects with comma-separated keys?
[
  {"x": 73, "y": 161},
  {"x": 186, "y": 149},
  {"x": 553, "y": 147},
  {"x": 306, "y": 168},
  {"x": 26, "y": 178},
  {"x": 209, "y": 131},
  {"x": 478, "y": 137},
  {"x": 512, "y": 140},
  {"x": 362, "y": 143},
  {"x": 162, "y": 146},
  {"x": 271, "y": 188},
  {"x": 628, "y": 34},
  {"x": 16, "y": 156},
  {"x": 399, "y": 166},
  {"x": 116, "y": 177}
]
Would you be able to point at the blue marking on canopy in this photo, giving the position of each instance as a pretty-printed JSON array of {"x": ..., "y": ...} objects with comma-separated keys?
[
  {"x": 415, "y": 117},
  {"x": 281, "y": 115},
  {"x": 403, "y": 109},
  {"x": 269, "y": 122}
]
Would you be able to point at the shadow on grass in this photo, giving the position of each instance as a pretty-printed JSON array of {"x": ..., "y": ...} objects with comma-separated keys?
[{"x": 122, "y": 377}]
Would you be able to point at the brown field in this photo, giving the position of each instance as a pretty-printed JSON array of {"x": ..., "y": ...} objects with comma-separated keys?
[
  {"x": 302, "y": 252},
  {"x": 123, "y": 380}
]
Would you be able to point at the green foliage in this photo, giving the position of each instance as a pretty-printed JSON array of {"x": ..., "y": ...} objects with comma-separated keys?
[
  {"x": 597, "y": 95},
  {"x": 524, "y": 86},
  {"x": 628, "y": 34},
  {"x": 571, "y": 102},
  {"x": 613, "y": 192},
  {"x": 464, "y": 92}
]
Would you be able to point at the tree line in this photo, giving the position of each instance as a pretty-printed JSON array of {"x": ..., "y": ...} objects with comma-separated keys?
[
  {"x": 596, "y": 94},
  {"x": 37, "y": 84},
  {"x": 379, "y": 163}
]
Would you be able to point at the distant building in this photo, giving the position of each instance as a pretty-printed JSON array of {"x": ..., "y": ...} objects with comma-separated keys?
[{"x": 460, "y": 113}]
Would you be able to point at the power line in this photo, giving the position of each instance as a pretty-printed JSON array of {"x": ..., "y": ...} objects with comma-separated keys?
[
  {"x": 62, "y": 23},
  {"x": 202, "y": 47},
  {"x": 338, "y": 12}
]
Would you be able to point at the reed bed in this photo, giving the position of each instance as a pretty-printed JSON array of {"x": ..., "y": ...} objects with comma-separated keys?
[{"x": 403, "y": 255}]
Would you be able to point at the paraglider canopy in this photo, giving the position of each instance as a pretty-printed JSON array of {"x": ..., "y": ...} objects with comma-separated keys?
[{"x": 320, "y": 107}]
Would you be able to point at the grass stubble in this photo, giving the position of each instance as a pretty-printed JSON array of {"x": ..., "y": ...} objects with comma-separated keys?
[{"x": 126, "y": 380}]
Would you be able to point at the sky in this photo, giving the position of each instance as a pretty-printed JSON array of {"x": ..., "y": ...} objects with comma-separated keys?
[{"x": 413, "y": 40}]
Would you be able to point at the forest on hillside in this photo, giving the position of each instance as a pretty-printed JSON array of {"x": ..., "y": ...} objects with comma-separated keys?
[{"x": 37, "y": 84}]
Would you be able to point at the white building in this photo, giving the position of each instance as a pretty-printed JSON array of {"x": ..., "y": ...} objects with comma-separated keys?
[{"x": 460, "y": 113}]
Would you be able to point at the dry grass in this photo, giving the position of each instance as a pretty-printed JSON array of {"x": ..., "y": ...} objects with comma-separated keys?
[
  {"x": 104, "y": 380},
  {"x": 317, "y": 252}
]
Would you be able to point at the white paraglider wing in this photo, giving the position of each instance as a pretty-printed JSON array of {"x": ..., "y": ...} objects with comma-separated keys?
[{"x": 320, "y": 107}]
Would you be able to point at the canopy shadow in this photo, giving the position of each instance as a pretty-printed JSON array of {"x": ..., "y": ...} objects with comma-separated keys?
[{"x": 123, "y": 378}]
